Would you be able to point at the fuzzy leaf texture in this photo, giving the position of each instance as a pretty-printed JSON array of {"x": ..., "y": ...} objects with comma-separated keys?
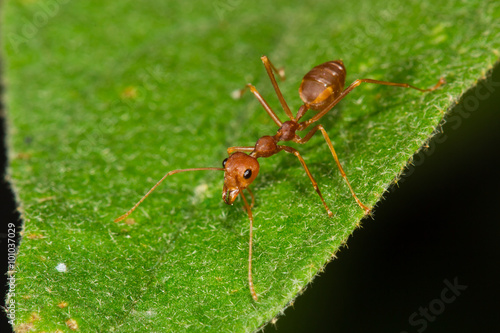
[{"x": 104, "y": 97}]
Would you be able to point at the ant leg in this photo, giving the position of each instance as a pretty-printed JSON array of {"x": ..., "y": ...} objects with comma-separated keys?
[
  {"x": 262, "y": 101},
  {"x": 330, "y": 145},
  {"x": 124, "y": 216},
  {"x": 250, "y": 217},
  {"x": 357, "y": 83},
  {"x": 281, "y": 73},
  {"x": 315, "y": 185},
  {"x": 278, "y": 71},
  {"x": 253, "y": 198},
  {"x": 231, "y": 150}
]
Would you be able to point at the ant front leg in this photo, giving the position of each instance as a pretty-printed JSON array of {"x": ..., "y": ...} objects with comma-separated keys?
[
  {"x": 240, "y": 149},
  {"x": 248, "y": 208},
  {"x": 330, "y": 145},
  {"x": 314, "y": 183},
  {"x": 252, "y": 196}
]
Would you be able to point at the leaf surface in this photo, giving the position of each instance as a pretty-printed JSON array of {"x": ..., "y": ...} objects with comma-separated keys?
[{"x": 103, "y": 98}]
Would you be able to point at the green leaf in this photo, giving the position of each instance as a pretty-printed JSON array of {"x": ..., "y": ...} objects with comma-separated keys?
[{"x": 104, "y": 98}]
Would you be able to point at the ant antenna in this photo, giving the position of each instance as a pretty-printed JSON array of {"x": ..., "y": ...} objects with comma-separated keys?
[{"x": 124, "y": 216}]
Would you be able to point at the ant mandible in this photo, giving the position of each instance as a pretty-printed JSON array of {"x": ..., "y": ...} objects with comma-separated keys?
[{"x": 320, "y": 90}]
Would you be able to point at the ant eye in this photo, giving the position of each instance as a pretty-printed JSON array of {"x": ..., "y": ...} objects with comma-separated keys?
[
  {"x": 247, "y": 174},
  {"x": 224, "y": 163}
]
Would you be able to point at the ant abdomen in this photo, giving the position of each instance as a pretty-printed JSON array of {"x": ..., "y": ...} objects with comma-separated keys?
[{"x": 322, "y": 84}]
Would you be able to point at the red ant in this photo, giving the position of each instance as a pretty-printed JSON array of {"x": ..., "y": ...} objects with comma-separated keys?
[{"x": 320, "y": 90}]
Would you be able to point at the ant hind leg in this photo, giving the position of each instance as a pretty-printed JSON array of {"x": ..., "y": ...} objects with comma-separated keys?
[{"x": 335, "y": 157}]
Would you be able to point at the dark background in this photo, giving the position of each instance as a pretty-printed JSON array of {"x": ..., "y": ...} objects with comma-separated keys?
[{"x": 440, "y": 223}]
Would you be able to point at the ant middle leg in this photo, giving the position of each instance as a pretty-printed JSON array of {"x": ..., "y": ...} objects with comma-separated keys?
[
  {"x": 314, "y": 183},
  {"x": 335, "y": 157}
]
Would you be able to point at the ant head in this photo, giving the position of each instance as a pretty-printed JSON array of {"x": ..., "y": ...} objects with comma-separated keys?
[{"x": 240, "y": 171}]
